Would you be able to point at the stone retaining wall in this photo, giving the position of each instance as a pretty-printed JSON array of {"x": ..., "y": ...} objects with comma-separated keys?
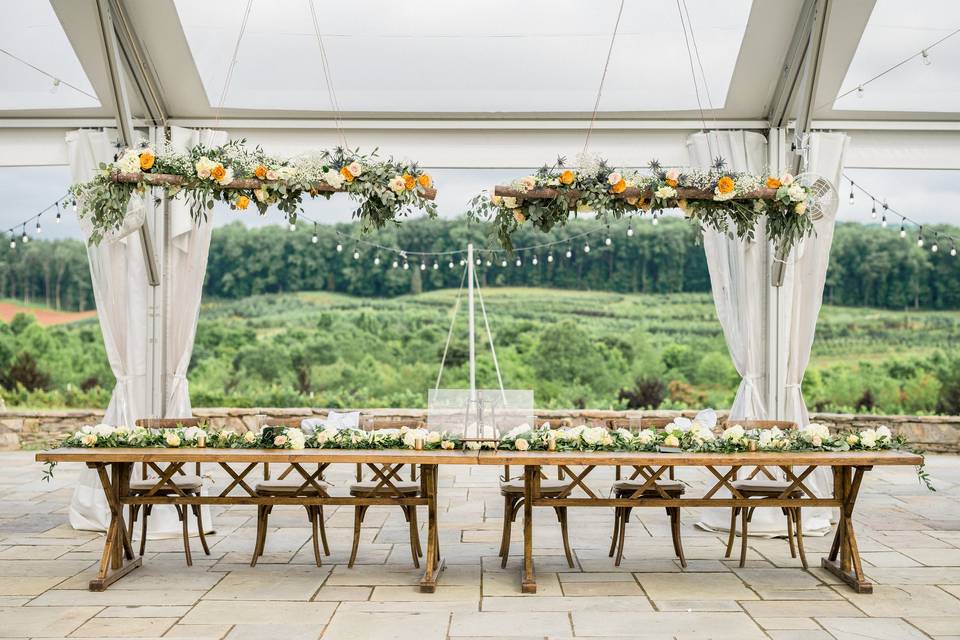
[{"x": 36, "y": 429}]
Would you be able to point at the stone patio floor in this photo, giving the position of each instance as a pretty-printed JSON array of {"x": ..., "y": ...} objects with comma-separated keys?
[{"x": 909, "y": 538}]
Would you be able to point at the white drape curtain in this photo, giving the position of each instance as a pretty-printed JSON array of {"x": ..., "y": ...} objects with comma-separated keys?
[
  {"x": 738, "y": 271},
  {"x": 118, "y": 275},
  {"x": 188, "y": 265},
  {"x": 806, "y": 273},
  {"x": 121, "y": 291}
]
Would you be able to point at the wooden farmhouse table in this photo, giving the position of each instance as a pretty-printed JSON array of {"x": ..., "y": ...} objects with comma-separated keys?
[
  {"x": 115, "y": 469},
  {"x": 848, "y": 469}
]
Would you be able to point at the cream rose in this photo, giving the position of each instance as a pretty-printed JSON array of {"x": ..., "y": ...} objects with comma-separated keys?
[
  {"x": 172, "y": 440},
  {"x": 673, "y": 174},
  {"x": 297, "y": 438},
  {"x": 868, "y": 438},
  {"x": 434, "y": 437},
  {"x": 801, "y": 208},
  {"x": 397, "y": 184},
  {"x": 665, "y": 192},
  {"x": 333, "y": 178},
  {"x": 671, "y": 441},
  {"x": 446, "y": 444},
  {"x": 88, "y": 440},
  {"x": 852, "y": 439},
  {"x": 528, "y": 182},
  {"x": 280, "y": 440},
  {"x": 355, "y": 168},
  {"x": 249, "y": 437},
  {"x": 786, "y": 179},
  {"x": 272, "y": 175},
  {"x": 521, "y": 445},
  {"x": 614, "y": 178}
]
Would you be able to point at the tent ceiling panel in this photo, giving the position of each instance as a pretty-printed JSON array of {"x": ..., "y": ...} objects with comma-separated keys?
[{"x": 36, "y": 48}]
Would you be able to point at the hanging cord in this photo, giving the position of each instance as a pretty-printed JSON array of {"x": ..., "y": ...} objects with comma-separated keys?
[
  {"x": 603, "y": 77},
  {"x": 453, "y": 320},
  {"x": 233, "y": 61},
  {"x": 693, "y": 76},
  {"x": 328, "y": 76},
  {"x": 493, "y": 351},
  {"x": 56, "y": 81}
]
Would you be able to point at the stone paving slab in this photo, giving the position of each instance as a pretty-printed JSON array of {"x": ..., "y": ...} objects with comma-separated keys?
[{"x": 910, "y": 541}]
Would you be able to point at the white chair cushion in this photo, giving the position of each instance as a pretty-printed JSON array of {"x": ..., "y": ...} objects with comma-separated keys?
[
  {"x": 368, "y": 486},
  {"x": 633, "y": 485},
  {"x": 287, "y": 485},
  {"x": 762, "y": 484},
  {"x": 185, "y": 482},
  {"x": 546, "y": 486}
]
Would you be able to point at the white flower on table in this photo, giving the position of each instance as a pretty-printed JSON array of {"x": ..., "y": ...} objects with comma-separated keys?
[
  {"x": 519, "y": 430},
  {"x": 814, "y": 433},
  {"x": 172, "y": 439},
  {"x": 191, "y": 434},
  {"x": 733, "y": 434},
  {"x": 298, "y": 440},
  {"x": 102, "y": 430},
  {"x": 447, "y": 444},
  {"x": 521, "y": 445},
  {"x": 434, "y": 437},
  {"x": 883, "y": 433},
  {"x": 412, "y": 435},
  {"x": 671, "y": 441},
  {"x": 852, "y": 439},
  {"x": 249, "y": 437},
  {"x": 646, "y": 436},
  {"x": 88, "y": 439},
  {"x": 280, "y": 440},
  {"x": 868, "y": 438},
  {"x": 594, "y": 435},
  {"x": 626, "y": 434}
]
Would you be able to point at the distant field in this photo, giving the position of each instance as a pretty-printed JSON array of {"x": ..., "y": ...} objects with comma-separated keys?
[{"x": 44, "y": 315}]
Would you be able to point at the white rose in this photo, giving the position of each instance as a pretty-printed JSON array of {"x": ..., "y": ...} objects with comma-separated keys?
[
  {"x": 121, "y": 431},
  {"x": 397, "y": 184},
  {"x": 786, "y": 180},
  {"x": 473, "y": 446},
  {"x": 614, "y": 178},
  {"x": 249, "y": 437},
  {"x": 817, "y": 441},
  {"x": 173, "y": 440},
  {"x": 284, "y": 173},
  {"x": 796, "y": 193},
  {"x": 673, "y": 174},
  {"x": 594, "y": 435},
  {"x": 646, "y": 436},
  {"x": 434, "y": 437},
  {"x": 517, "y": 431},
  {"x": 446, "y": 444},
  {"x": 801, "y": 208},
  {"x": 625, "y": 434},
  {"x": 665, "y": 192},
  {"x": 203, "y": 167},
  {"x": 129, "y": 162},
  {"x": 703, "y": 433},
  {"x": 297, "y": 438},
  {"x": 509, "y": 202},
  {"x": 607, "y": 440},
  {"x": 671, "y": 441},
  {"x": 521, "y": 445},
  {"x": 412, "y": 435},
  {"x": 852, "y": 439},
  {"x": 193, "y": 433},
  {"x": 355, "y": 168},
  {"x": 272, "y": 175},
  {"x": 88, "y": 440},
  {"x": 734, "y": 433},
  {"x": 868, "y": 438},
  {"x": 528, "y": 182},
  {"x": 103, "y": 430},
  {"x": 766, "y": 438},
  {"x": 333, "y": 178},
  {"x": 226, "y": 434},
  {"x": 883, "y": 432}
]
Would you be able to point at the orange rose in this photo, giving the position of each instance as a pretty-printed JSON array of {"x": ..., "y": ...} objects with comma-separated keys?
[
  {"x": 346, "y": 174},
  {"x": 620, "y": 187},
  {"x": 409, "y": 182},
  {"x": 567, "y": 177},
  {"x": 425, "y": 180},
  {"x": 146, "y": 160},
  {"x": 773, "y": 183},
  {"x": 260, "y": 171},
  {"x": 725, "y": 184},
  {"x": 242, "y": 202},
  {"x": 519, "y": 217},
  {"x": 218, "y": 172},
  {"x": 672, "y": 183}
]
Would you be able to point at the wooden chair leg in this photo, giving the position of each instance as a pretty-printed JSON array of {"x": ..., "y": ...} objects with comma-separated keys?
[
  {"x": 798, "y": 527},
  {"x": 616, "y": 531},
  {"x": 323, "y": 530},
  {"x": 789, "y": 514},
  {"x": 198, "y": 512},
  {"x": 314, "y": 533},
  {"x": 564, "y": 532},
  {"x": 733, "y": 530},
  {"x": 414, "y": 535},
  {"x": 510, "y": 517},
  {"x": 185, "y": 525},
  {"x": 131, "y": 519},
  {"x": 675, "y": 530},
  {"x": 505, "y": 529},
  {"x": 624, "y": 519},
  {"x": 143, "y": 527},
  {"x": 358, "y": 513},
  {"x": 744, "y": 519}
]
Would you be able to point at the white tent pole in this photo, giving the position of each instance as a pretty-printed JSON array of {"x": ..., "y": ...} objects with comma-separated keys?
[{"x": 471, "y": 323}]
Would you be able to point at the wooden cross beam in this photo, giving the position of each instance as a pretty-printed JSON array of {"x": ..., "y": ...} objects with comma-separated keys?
[
  {"x": 688, "y": 193},
  {"x": 173, "y": 180}
]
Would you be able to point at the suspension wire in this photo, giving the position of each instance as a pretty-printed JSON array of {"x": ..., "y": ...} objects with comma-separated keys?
[
  {"x": 56, "y": 80},
  {"x": 62, "y": 200},
  {"x": 327, "y": 75},
  {"x": 887, "y": 208},
  {"x": 603, "y": 77},
  {"x": 453, "y": 320},
  {"x": 693, "y": 76},
  {"x": 233, "y": 60}
]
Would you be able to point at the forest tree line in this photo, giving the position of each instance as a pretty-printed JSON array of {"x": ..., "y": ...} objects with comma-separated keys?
[{"x": 869, "y": 265}]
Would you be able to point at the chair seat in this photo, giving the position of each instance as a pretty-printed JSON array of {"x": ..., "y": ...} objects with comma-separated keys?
[
  {"x": 672, "y": 487},
  {"x": 287, "y": 486},
  {"x": 184, "y": 482},
  {"x": 764, "y": 486},
  {"x": 370, "y": 486},
  {"x": 546, "y": 486}
]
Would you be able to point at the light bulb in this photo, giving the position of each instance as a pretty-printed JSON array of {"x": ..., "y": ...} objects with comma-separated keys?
[
  {"x": 24, "y": 238},
  {"x": 356, "y": 255},
  {"x": 339, "y": 247},
  {"x": 550, "y": 258},
  {"x": 293, "y": 226},
  {"x": 534, "y": 261},
  {"x": 883, "y": 221},
  {"x": 903, "y": 232},
  {"x": 450, "y": 265},
  {"x": 423, "y": 266},
  {"x": 953, "y": 251},
  {"x": 39, "y": 230},
  {"x": 519, "y": 264},
  {"x": 934, "y": 248},
  {"x": 435, "y": 266},
  {"x": 479, "y": 262},
  {"x": 58, "y": 215},
  {"x": 376, "y": 260},
  {"x": 395, "y": 264},
  {"x": 608, "y": 242},
  {"x": 656, "y": 220},
  {"x": 503, "y": 263},
  {"x": 488, "y": 262},
  {"x": 406, "y": 265},
  {"x": 925, "y": 59},
  {"x": 860, "y": 91},
  {"x": 13, "y": 243},
  {"x": 569, "y": 253},
  {"x": 586, "y": 248},
  {"x": 873, "y": 212},
  {"x": 462, "y": 262},
  {"x": 314, "y": 239},
  {"x": 920, "y": 241},
  {"x": 630, "y": 231},
  {"x": 74, "y": 207},
  {"x": 851, "y": 195}
]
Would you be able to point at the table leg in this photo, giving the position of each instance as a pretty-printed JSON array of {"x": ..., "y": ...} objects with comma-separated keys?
[
  {"x": 847, "y": 566},
  {"x": 117, "y": 559},
  {"x": 433, "y": 563},
  {"x": 531, "y": 477}
]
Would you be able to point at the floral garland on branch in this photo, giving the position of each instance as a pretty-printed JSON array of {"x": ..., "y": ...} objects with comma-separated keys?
[
  {"x": 712, "y": 197},
  {"x": 233, "y": 173}
]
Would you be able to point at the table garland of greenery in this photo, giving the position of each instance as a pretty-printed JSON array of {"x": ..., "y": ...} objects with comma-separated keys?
[
  {"x": 693, "y": 439},
  {"x": 386, "y": 190},
  {"x": 725, "y": 199}
]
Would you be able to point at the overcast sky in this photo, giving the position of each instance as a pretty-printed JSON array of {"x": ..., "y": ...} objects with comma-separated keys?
[{"x": 919, "y": 194}]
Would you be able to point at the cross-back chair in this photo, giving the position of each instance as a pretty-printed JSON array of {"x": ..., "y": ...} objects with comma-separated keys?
[
  {"x": 386, "y": 483},
  {"x": 511, "y": 488},
  {"x": 187, "y": 484},
  {"x": 288, "y": 486},
  {"x": 628, "y": 488},
  {"x": 760, "y": 483}
]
